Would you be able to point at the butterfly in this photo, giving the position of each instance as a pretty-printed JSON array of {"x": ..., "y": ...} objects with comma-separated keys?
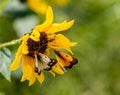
[
  {"x": 43, "y": 62},
  {"x": 65, "y": 60}
]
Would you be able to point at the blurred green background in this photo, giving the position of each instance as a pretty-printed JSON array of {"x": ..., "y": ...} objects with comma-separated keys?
[{"x": 97, "y": 31}]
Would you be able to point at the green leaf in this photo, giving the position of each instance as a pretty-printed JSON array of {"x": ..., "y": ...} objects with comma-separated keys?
[{"x": 5, "y": 60}]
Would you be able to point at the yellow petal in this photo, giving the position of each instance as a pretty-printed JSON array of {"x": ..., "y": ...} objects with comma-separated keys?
[
  {"x": 38, "y": 6},
  {"x": 60, "y": 27},
  {"x": 73, "y": 44},
  {"x": 35, "y": 35},
  {"x": 26, "y": 68},
  {"x": 48, "y": 21},
  {"x": 52, "y": 73},
  {"x": 25, "y": 38},
  {"x": 49, "y": 16},
  {"x": 23, "y": 78},
  {"x": 24, "y": 44},
  {"x": 16, "y": 63},
  {"x": 40, "y": 77},
  {"x": 25, "y": 49},
  {"x": 32, "y": 79},
  {"x": 61, "y": 42},
  {"x": 57, "y": 69}
]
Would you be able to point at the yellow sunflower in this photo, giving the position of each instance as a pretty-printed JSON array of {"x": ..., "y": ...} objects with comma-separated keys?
[
  {"x": 35, "y": 48},
  {"x": 40, "y": 6}
]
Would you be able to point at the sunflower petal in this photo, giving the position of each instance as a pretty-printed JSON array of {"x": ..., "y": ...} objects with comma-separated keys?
[
  {"x": 52, "y": 73},
  {"x": 61, "y": 42},
  {"x": 26, "y": 68},
  {"x": 32, "y": 79},
  {"x": 48, "y": 21},
  {"x": 57, "y": 69},
  {"x": 16, "y": 63},
  {"x": 25, "y": 38},
  {"x": 60, "y": 27},
  {"x": 25, "y": 49},
  {"x": 49, "y": 16},
  {"x": 23, "y": 78},
  {"x": 35, "y": 35},
  {"x": 40, "y": 77}
]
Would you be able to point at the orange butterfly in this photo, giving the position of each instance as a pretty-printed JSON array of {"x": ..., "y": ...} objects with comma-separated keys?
[{"x": 66, "y": 60}]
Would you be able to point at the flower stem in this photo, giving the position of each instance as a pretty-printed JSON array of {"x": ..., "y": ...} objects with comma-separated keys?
[{"x": 9, "y": 43}]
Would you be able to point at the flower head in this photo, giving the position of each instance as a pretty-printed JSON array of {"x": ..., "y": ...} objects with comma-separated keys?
[
  {"x": 36, "y": 47},
  {"x": 40, "y": 6}
]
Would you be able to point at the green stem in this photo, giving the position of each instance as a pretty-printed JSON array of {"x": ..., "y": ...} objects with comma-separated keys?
[{"x": 9, "y": 43}]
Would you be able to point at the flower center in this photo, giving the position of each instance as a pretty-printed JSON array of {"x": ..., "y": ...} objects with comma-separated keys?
[{"x": 37, "y": 46}]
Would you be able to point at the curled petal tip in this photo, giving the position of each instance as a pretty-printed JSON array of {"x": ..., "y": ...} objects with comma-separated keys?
[{"x": 73, "y": 43}]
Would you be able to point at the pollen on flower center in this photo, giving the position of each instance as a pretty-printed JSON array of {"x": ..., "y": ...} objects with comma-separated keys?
[{"x": 37, "y": 46}]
